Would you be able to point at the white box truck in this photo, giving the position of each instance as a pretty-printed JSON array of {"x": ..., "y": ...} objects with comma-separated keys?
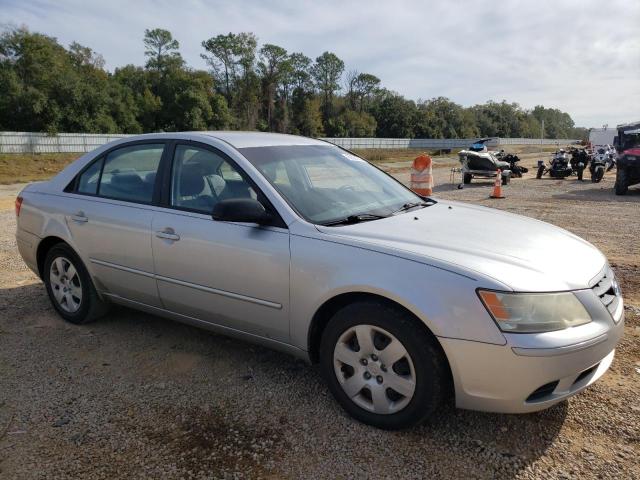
[{"x": 602, "y": 136}]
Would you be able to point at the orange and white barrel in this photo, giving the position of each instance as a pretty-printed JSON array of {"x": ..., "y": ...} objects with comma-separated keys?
[{"x": 422, "y": 175}]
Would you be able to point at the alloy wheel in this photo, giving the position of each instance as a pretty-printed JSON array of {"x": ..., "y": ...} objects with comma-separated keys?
[{"x": 65, "y": 284}]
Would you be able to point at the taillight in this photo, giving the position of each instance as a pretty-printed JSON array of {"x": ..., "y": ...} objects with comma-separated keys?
[{"x": 18, "y": 205}]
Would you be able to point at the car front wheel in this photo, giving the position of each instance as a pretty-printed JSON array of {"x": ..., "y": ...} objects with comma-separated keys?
[{"x": 382, "y": 365}]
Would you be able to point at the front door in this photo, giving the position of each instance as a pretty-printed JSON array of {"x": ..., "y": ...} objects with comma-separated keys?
[{"x": 231, "y": 274}]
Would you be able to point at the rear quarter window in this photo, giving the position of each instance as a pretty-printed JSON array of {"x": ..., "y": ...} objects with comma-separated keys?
[{"x": 88, "y": 181}]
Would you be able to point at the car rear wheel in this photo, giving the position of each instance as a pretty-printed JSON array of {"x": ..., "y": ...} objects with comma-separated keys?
[
  {"x": 466, "y": 178},
  {"x": 382, "y": 366},
  {"x": 69, "y": 286}
]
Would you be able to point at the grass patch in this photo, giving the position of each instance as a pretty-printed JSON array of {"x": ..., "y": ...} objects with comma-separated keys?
[{"x": 29, "y": 167}]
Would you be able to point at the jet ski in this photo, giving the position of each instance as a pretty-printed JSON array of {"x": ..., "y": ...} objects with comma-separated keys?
[{"x": 478, "y": 161}]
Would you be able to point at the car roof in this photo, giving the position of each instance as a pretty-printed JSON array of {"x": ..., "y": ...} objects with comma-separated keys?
[
  {"x": 259, "y": 139},
  {"x": 236, "y": 139}
]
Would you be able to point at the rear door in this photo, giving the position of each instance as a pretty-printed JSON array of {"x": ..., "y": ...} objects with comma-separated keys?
[
  {"x": 110, "y": 216},
  {"x": 231, "y": 274}
]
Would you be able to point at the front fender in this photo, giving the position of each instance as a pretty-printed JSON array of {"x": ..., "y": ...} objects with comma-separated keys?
[{"x": 444, "y": 301}]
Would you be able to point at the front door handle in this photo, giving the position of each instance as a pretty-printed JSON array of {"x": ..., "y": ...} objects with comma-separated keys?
[
  {"x": 168, "y": 234},
  {"x": 79, "y": 217}
]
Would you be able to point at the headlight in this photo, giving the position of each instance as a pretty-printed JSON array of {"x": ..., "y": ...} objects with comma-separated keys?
[{"x": 534, "y": 312}]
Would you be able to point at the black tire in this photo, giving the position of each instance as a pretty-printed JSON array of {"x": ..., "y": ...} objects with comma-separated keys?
[
  {"x": 91, "y": 307},
  {"x": 505, "y": 179},
  {"x": 598, "y": 174},
  {"x": 432, "y": 379},
  {"x": 466, "y": 178},
  {"x": 622, "y": 182},
  {"x": 540, "y": 172}
]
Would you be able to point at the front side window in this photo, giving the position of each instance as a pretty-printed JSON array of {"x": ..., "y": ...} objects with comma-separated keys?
[
  {"x": 324, "y": 183},
  {"x": 200, "y": 178},
  {"x": 128, "y": 174}
]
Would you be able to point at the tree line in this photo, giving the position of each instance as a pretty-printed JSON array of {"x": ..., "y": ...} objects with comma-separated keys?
[{"x": 49, "y": 88}]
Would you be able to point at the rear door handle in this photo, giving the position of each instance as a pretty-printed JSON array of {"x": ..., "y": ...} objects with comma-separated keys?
[
  {"x": 79, "y": 217},
  {"x": 168, "y": 234}
]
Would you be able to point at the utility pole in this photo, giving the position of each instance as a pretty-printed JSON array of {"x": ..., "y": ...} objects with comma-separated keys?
[{"x": 542, "y": 132}]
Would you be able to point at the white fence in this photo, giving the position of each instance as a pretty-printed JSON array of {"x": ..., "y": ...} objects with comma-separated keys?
[
  {"x": 399, "y": 143},
  {"x": 29, "y": 142}
]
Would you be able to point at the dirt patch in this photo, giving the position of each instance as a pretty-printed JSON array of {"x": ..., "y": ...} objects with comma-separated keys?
[{"x": 18, "y": 167}]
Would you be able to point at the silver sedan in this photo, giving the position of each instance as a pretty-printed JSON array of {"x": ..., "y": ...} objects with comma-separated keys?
[{"x": 304, "y": 247}]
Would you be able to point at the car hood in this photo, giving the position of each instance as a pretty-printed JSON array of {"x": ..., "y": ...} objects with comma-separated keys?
[{"x": 519, "y": 252}]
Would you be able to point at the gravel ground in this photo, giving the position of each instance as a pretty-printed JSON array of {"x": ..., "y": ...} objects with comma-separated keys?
[{"x": 134, "y": 396}]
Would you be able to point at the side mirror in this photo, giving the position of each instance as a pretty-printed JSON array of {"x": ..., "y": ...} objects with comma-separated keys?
[{"x": 245, "y": 210}]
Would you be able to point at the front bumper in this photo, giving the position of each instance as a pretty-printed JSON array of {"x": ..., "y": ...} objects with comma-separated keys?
[{"x": 526, "y": 376}]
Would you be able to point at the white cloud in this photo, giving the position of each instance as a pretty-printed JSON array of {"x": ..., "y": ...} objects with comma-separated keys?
[{"x": 580, "y": 56}]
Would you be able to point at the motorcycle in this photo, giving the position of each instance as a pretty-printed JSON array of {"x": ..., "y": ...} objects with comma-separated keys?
[
  {"x": 559, "y": 166},
  {"x": 598, "y": 166},
  {"x": 579, "y": 161},
  {"x": 606, "y": 156},
  {"x": 512, "y": 160}
]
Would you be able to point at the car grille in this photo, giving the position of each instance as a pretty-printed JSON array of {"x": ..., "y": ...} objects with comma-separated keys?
[{"x": 607, "y": 291}]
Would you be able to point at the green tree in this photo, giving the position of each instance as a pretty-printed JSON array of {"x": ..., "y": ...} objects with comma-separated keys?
[
  {"x": 395, "y": 116},
  {"x": 160, "y": 47},
  {"x": 272, "y": 65},
  {"x": 47, "y": 87},
  {"x": 350, "y": 123},
  {"x": 84, "y": 56},
  {"x": 360, "y": 88},
  {"x": 557, "y": 124},
  {"x": 442, "y": 118},
  {"x": 326, "y": 73},
  {"x": 222, "y": 59}
]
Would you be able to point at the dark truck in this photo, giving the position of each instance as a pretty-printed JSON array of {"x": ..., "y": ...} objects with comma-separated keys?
[{"x": 627, "y": 143}]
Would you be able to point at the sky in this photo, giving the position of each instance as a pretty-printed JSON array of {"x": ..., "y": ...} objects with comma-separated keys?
[{"x": 582, "y": 57}]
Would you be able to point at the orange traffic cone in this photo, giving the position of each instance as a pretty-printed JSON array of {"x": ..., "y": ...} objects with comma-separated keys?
[
  {"x": 421, "y": 175},
  {"x": 497, "y": 186}
]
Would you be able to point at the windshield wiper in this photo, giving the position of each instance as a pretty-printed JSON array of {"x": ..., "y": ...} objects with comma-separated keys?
[
  {"x": 410, "y": 205},
  {"x": 362, "y": 217}
]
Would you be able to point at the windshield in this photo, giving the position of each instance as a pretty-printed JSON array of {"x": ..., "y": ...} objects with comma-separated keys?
[{"x": 325, "y": 184}]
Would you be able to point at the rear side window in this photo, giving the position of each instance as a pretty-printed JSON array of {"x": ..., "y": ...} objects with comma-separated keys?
[{"x": 128, "y": 173}]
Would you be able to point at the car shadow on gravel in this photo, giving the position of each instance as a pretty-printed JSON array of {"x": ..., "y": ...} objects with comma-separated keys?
[
  {"x": 448, "y": 187},
  {"x": 600, "y": 193}
]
